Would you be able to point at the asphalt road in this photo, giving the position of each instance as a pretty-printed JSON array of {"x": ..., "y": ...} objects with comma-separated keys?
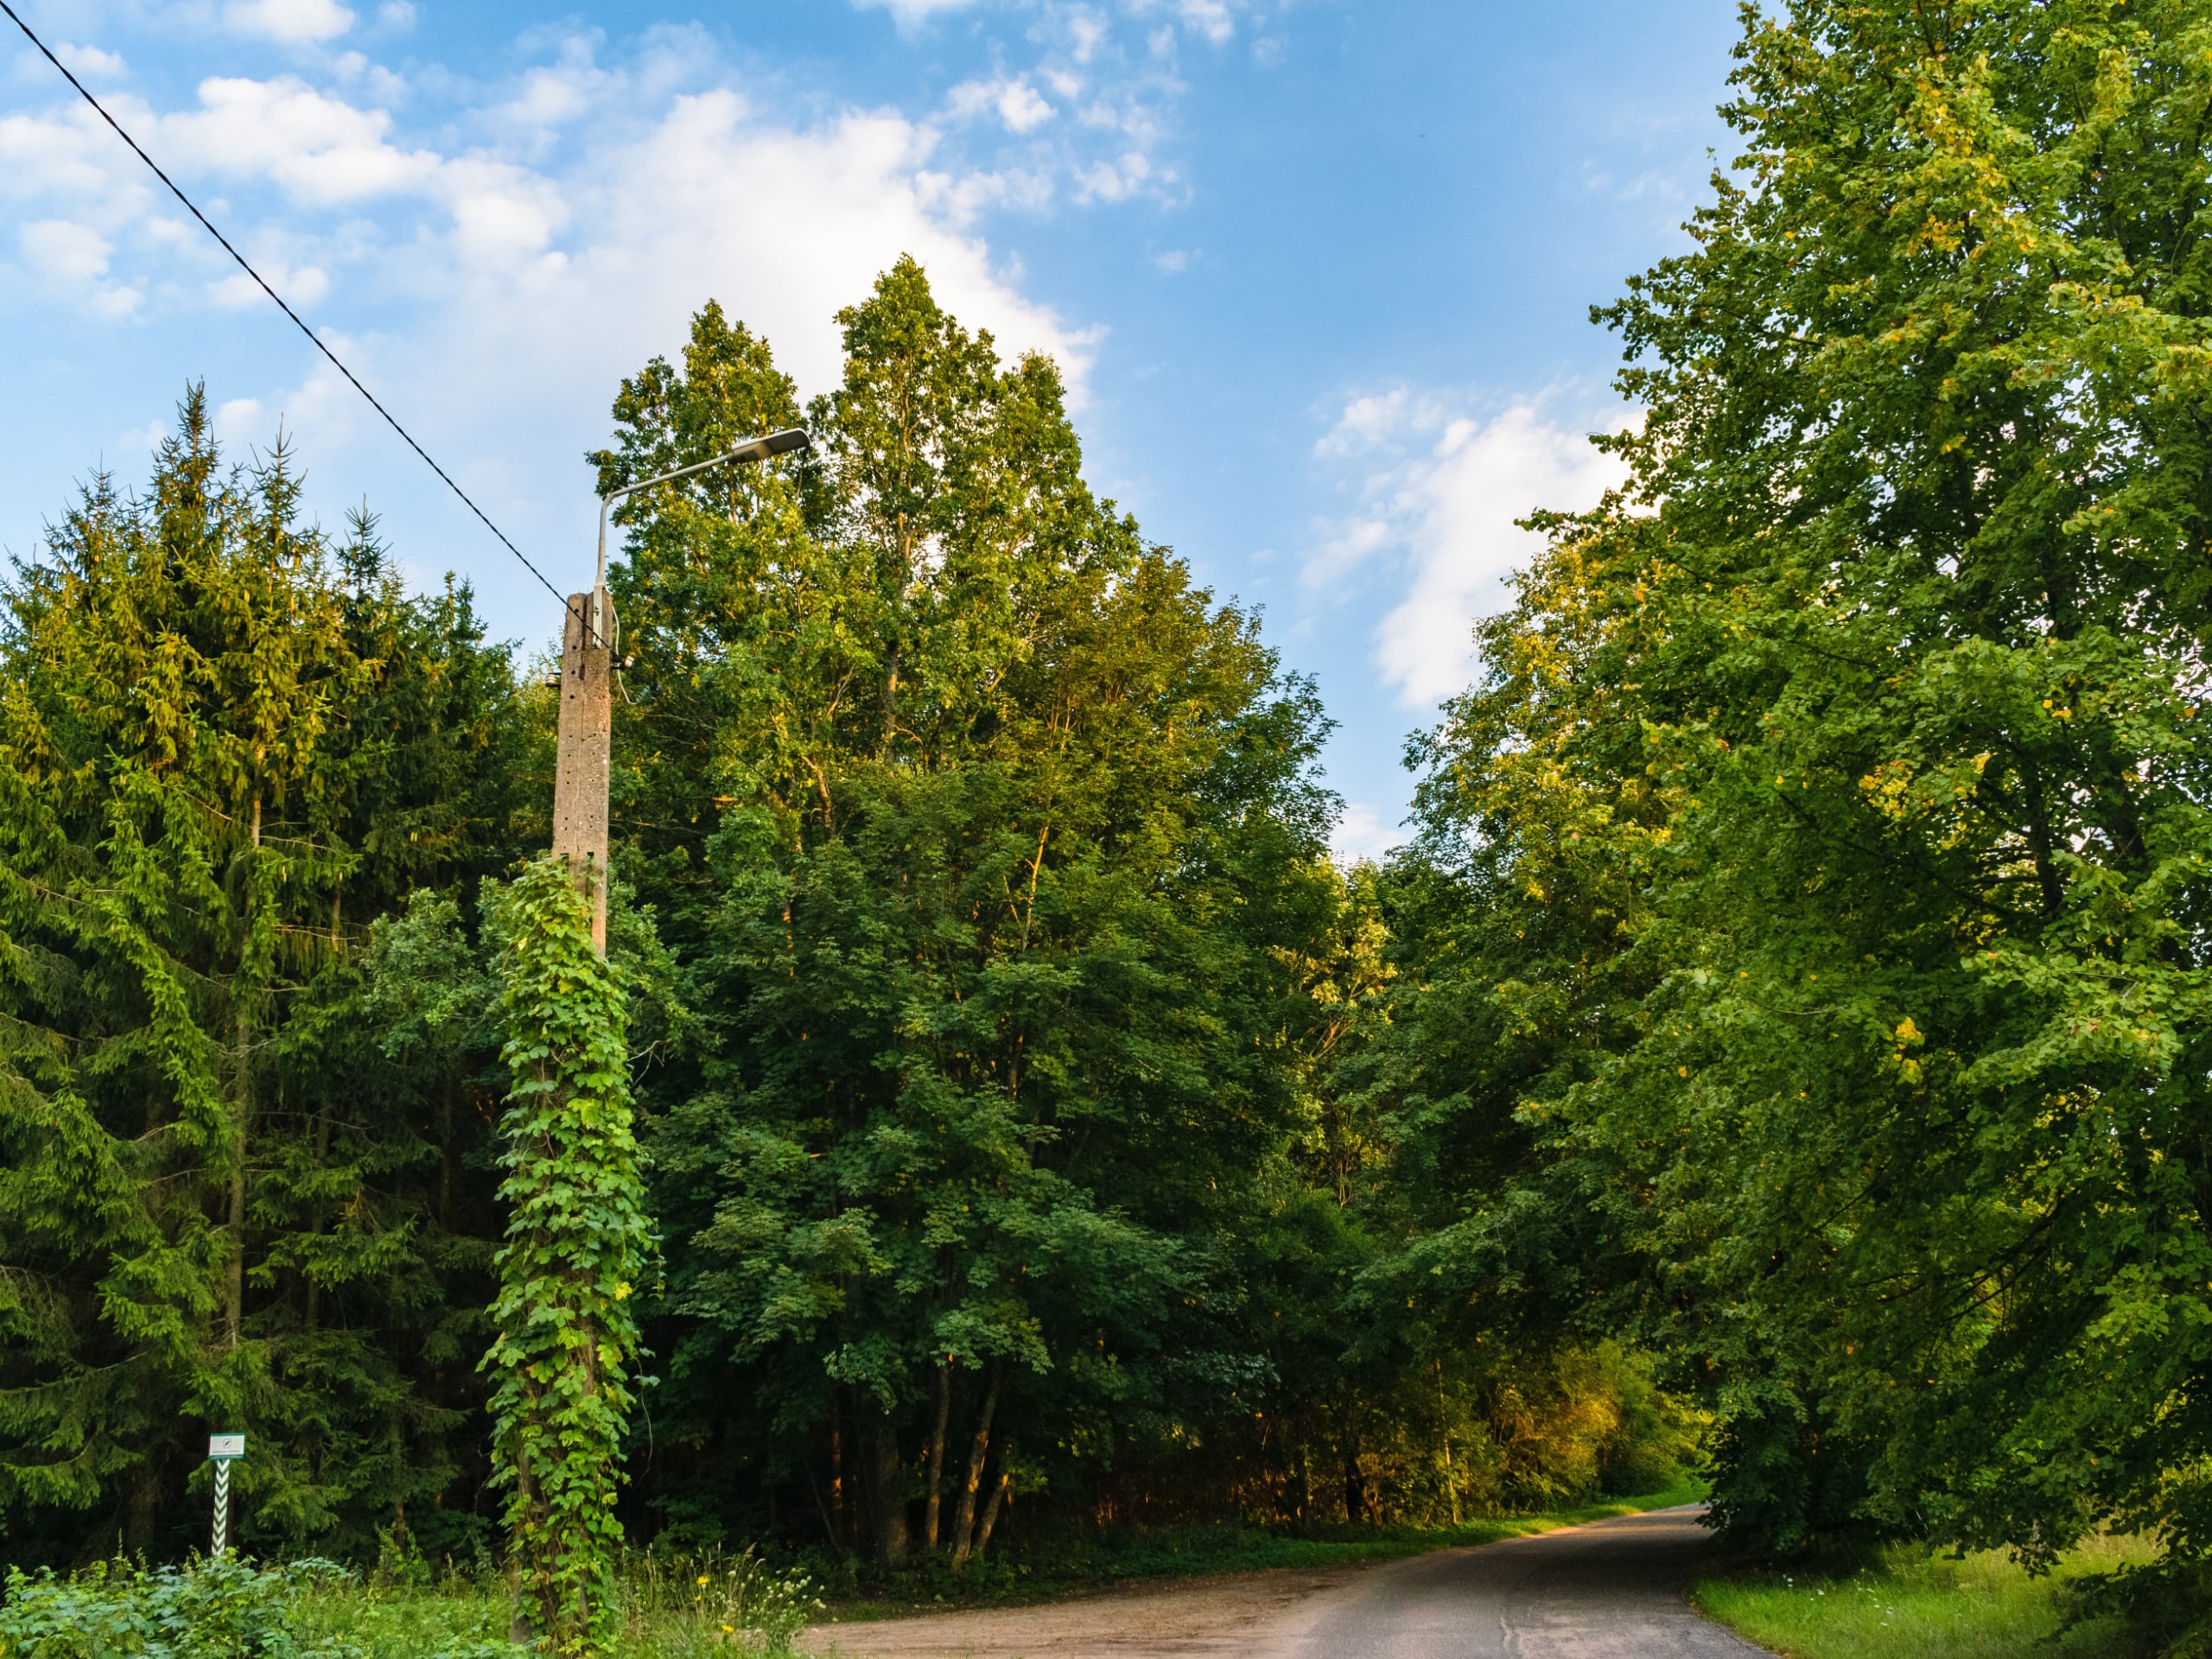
[
  {"x": 1612, "y": 1590},
  {"x": 1609, "y": 1590}
]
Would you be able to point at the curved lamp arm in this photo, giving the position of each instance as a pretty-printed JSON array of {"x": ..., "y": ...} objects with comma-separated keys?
[{"x": 776, "y": 443}]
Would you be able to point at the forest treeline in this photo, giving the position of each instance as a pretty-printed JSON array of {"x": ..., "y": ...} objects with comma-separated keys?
[
  {"x": 987, "y": 971},
  {"x": 1783, "y": 1044}
]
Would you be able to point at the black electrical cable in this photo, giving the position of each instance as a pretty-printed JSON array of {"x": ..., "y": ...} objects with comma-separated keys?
[{"x": 312, "y": 337}]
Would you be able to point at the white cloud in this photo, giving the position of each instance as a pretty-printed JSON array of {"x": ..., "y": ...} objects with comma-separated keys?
[
  {"x": 1086, "y": 33},
  {"x": 144, "y": 440},
  {"x": 1362, "y": 833},
  {"x": 239, "y": 421},
  {"x": 513, "y": 349},
  {"x": 1174, "y": 261},
  {"x": 69, "y": 261},
  {"x": 1018, "y": 105},
  {"x": 911, "y": 14},
  {"x": 63, "y": 250},
  {"x": 591, "y": 265},
  {"x": 1378, "y": 418},
  {"x": 1444, "y": 501},
  {"x": 1022, "y": 109},
  {"x": 297, "y": 23},
  {"x": 1210, "y": 18},
  {"x": 324, "y": 150},
  {"x": 301, "y": 285},
  {"x": 91, "y": 63},
  {"x": 1115, "y": 180}
]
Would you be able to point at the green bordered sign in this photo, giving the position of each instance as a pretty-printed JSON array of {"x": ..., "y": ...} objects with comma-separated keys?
[{"x": 224, "y": 1449}]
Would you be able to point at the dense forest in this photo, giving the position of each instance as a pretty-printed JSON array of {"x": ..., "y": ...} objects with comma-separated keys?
[{"x": 1781, "y": 1049}]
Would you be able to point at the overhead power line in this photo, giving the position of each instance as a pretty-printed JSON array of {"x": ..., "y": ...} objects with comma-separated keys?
[{"x": 313, "y": 338}]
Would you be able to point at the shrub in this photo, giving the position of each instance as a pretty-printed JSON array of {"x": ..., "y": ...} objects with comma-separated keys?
[{"x": 221, "y": 1609}]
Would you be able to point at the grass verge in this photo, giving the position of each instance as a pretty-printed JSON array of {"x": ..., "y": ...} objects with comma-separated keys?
[
  {"x": 1910, "y": 1603},
  {"x": 707, "y": 1606},
  {"x": 1045, "y": 1571}
]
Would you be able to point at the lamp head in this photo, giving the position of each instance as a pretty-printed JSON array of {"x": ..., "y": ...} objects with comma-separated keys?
[{"x": 776, "y": 443}]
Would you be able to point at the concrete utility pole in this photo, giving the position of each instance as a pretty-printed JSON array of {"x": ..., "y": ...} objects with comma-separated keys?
[
  {"x": 586, "y": 748},
  {"x": 585, "y": 759}
]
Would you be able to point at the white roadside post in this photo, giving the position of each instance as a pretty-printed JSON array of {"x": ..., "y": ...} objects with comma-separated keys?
[
  {"x": 224, "y": 1449},
  {"x": 584, "y": 762}
]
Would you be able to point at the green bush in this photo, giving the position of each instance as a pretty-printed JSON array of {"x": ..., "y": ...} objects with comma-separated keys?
[
  {"x": 699, "y": 1606},
  {"x": 221, "y": 1609}
]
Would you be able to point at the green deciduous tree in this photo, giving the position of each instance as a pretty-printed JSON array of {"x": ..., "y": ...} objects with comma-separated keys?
[
  {"x": 1836, "y": 797},
  {"x": 1007, "y": 822}
]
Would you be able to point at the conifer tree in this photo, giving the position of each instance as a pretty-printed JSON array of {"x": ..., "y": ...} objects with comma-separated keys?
[{"x": 215, "y": 730}]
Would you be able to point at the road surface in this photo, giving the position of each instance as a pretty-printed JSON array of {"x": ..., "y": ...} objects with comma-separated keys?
[{"x": 1611, "y": 1590}]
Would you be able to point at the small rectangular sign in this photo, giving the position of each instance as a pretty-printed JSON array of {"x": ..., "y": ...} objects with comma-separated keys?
[{"x": 227, "y": 1445}]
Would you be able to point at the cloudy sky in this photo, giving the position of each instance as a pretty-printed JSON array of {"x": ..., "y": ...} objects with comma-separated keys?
[{"x": 1319, "y": 269}]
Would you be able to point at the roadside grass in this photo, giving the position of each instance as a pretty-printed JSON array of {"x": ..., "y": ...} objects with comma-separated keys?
[
  {"x": 1045, "y": 1570},
  {"x": 708, "y": 1605},
  {"x": 1911, "y": 1603},
  {"x": 704, "y": 1606}
]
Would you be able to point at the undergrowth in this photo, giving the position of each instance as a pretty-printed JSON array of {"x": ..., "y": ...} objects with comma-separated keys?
[
  {"x": 1912, "y": 1603},
  {"x": 701, "y": 1606},
  {"x": 1042, "y": 1569}
]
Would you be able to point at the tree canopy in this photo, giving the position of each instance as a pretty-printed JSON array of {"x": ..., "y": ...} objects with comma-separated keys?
[
  {"x": 1784, "y": 1041},
  {"x": 1825, "y": 843},
  {"x": 993, "y": 1009}
]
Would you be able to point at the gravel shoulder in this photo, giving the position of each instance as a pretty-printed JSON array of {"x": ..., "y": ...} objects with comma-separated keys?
[{"x": 1224, "y": 1613}]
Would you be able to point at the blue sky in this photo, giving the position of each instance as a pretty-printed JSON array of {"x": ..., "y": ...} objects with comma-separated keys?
[{"x": 1318, "y": 272}]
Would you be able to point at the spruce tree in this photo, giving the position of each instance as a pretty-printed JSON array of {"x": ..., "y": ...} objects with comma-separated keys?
[{"x": 224, "y": 745}]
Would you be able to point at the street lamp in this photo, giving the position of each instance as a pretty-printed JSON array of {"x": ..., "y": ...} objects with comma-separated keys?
[
  {"x": 584, "y": 760},
  {"x": 776, "y": 443}
]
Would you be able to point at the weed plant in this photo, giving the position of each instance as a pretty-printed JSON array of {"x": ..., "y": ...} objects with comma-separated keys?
[
  {"x": 705, "y": 1605},
  {"x": 1912, "y": 1603}
]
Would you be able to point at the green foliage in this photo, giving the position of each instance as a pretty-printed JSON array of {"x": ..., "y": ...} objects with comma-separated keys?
[
  {"x": 709, "y": 1602},
  {"x": 226, "y": 742},
  {"x": 577, "y": 1246},
  {"x": 1830, "y": 825},
  {"x": 226, "y": 1608},
  {"x": 1010, "y": 830},
  {"x": 666, "y": 1607},
  {"x": 1046, "y": 1139},
  {"x": 1907, "y": 1602}
]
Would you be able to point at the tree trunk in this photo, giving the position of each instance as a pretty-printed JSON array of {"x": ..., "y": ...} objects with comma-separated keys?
[
  {"x": 315, "y": 1284},
  {"x": 963, "y": 1519},
  {"x": 932, "y": 1500},
  {"x": 829, "y": 1526},
  {"x": 838, "y": 1533},
  {"x": 234, "y": 1291},
  {"x": 1443, "y": 1428},
  {"x": 143, "y": 1508},
  {"x": 890, "y": 1503},
  {"x": 1000, "y": 1493},
  {"x": 1355, "y": 1491}
]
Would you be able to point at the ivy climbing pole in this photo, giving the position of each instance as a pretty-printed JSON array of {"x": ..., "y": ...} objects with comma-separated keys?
[{"x": 576, "y": 1242}]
